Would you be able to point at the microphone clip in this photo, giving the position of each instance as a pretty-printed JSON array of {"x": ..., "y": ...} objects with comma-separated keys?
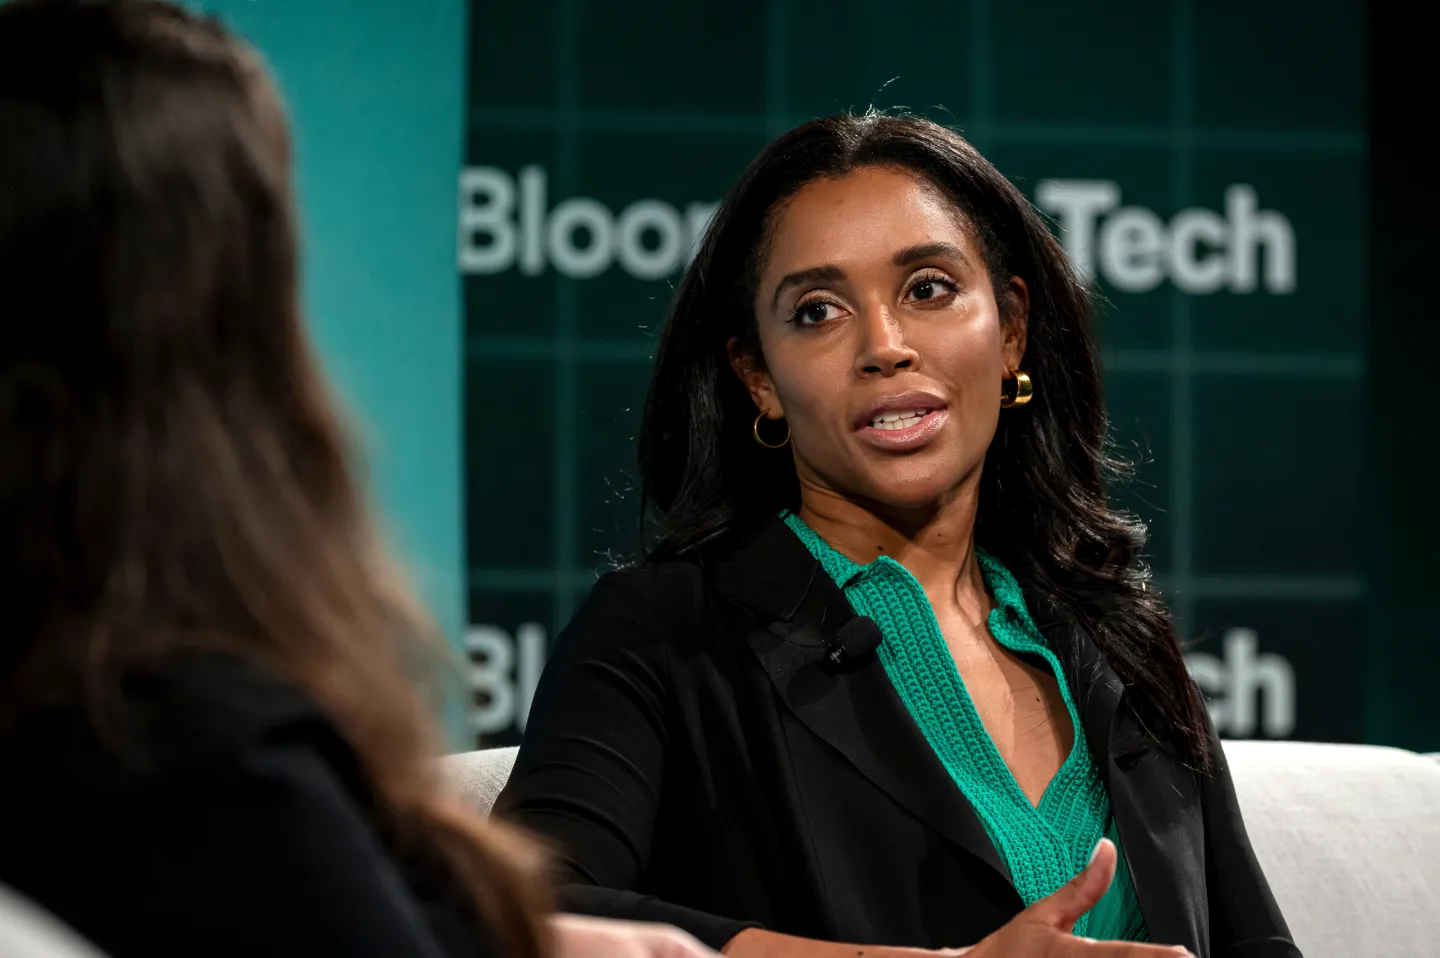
[{"x": 853, "y": 645}]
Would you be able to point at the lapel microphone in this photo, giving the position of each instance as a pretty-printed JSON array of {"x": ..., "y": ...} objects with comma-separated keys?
[{"x": 853, "y": 645}]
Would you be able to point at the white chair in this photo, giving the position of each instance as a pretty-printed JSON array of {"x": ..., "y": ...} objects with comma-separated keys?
[
  {"x": 479, "y": 776},
  {"x": 27, "y": 931},
  {"x": 1348, "y": 835}
]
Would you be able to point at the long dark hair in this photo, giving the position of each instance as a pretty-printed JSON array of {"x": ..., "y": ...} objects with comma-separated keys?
[
  {"x": 175, "y": 476},
  {"x": 1043, "y": 508}
]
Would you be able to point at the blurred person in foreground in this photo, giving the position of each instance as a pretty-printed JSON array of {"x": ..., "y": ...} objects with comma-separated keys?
[
  {"x": 892, "y": 666},
  {"x": 209, "y": 735}
]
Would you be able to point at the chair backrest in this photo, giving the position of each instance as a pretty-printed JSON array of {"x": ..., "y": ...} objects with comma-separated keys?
[
  {"x": 479, "y": 776},
  {"x": 27, "y": 931},
  {"x": 1348, "y": 836}
]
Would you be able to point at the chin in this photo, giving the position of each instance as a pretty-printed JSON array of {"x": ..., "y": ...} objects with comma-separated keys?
[{"x": 915, "y": 492}]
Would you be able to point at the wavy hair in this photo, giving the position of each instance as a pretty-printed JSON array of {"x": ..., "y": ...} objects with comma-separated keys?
[{"x": 175, "y": 474}]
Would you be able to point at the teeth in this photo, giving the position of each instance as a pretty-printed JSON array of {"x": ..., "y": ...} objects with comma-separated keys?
[{"x": 898, "y": 419}]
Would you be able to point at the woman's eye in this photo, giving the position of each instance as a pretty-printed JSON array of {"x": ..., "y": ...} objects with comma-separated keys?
[
  {"x": 931, "y": 288},
  {"x": 808, "y": 314}
]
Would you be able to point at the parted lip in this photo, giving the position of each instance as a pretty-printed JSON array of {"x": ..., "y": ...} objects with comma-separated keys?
[{"x": 914, "y": 399}]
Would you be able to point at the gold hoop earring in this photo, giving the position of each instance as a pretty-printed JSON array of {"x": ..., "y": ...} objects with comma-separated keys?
[
  {"x": 756, "y": 430},
  {"x": 1024, "y": 391}
]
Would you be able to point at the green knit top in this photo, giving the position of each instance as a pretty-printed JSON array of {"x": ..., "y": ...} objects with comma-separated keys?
[{"x": 1044, "y": 846}]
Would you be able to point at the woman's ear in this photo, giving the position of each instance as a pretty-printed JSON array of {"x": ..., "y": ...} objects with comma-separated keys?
[
  {"x": 757, "y": 381},
  {"x": 1014, "y": 322}
]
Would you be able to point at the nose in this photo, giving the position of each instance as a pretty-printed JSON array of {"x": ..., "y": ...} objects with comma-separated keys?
[{"x": 883, "y": 350}]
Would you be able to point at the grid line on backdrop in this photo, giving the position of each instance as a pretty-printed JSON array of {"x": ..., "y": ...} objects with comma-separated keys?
[
  {"x": 1113, "y": 360},
  {"x": 777, "y": 42},
  {"x": 1182, "y": 386},
  {"x": 567, "y": 386},
  {"x": 981, "y": 120},
  {"x": 976, "y": 130}
]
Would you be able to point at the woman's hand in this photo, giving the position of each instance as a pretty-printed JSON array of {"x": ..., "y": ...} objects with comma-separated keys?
[
  {"x": 578, "y": 936},
  {"x": 1044, "y": 929}
]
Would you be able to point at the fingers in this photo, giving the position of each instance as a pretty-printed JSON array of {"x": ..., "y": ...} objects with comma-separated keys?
[
  {"x": 675, "y": 943},
  {"x": 579, "y": 936},
  {"x": 1128, "y": 949},
  {"x": 1063, "y": 908}
]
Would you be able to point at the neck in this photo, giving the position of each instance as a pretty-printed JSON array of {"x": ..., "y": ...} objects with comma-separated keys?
[{"x": 935, "y": 543}]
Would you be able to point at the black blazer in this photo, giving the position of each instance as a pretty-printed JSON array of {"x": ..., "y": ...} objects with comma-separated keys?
[
  {"x": 224, "y": 815},
  {"x": 696, "y": 761}
]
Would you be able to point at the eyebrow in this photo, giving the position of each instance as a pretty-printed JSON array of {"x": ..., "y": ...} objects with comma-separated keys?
[
  {"x": 910, "y": 254},
  {"x": 791, "y": 280},
  {"x": 831, "y": 273}
]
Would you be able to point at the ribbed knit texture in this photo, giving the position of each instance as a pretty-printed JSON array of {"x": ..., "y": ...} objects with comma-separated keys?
[{"x": 1044, "y": 846}]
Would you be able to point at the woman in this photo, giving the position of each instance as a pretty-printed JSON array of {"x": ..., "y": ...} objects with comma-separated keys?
[
  {"x": 208, "y": 732},
  {"x": 875, "y": 418}
]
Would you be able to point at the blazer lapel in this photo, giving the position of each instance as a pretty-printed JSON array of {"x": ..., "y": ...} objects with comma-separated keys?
[
  {"x": 857, "y": 712},
  {"x": 1096, "y": 688},
  {"x": 1154, "y": 800}
]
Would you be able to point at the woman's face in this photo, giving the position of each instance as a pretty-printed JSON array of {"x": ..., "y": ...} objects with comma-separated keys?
[{"x": 884, "y": 347}]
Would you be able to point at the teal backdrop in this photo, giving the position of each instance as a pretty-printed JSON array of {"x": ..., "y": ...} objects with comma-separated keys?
[
  {"x": 376, "y": 97},
  {"x": 1204, "y": 161}
]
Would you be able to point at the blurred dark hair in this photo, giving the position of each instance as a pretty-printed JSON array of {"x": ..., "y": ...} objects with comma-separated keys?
[
  {"x": 175, "y": 475},
  {"x": 1043, "y": 508}
]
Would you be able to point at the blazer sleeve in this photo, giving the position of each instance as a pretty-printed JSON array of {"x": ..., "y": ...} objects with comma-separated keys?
[
  {"x": 264, "y": 852},
  {"x": 1245, "y": 921},
  {"x": 589, "y": 774}
]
